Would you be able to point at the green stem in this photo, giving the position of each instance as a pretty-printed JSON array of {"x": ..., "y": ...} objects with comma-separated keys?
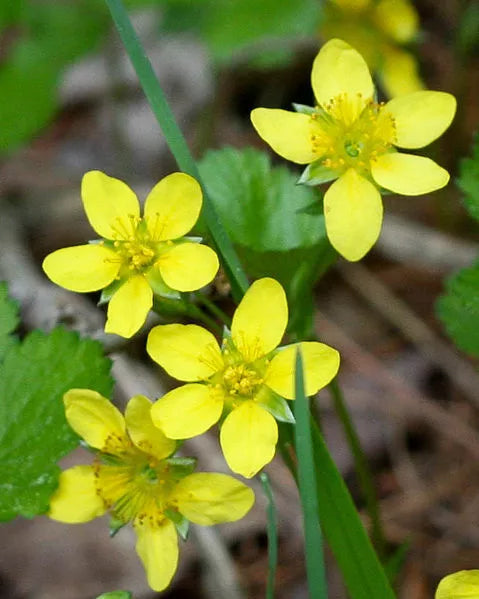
[
  {"x": 213, "y": 308},
  {"x": 176, "y": 142},
  {"x": 363, "y": 471},
  {"x": 164, "y": 306},
  {"x": 272, "y": 531},
  {"x": 307, "y": 485}
]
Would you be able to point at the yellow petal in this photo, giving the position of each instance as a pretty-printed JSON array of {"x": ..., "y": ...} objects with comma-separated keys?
[
  {"x": 82, "y": 268},
  {"x": 460, "y": 585},
  {"x": 421, "y": 117},
  {"x": 93, "y": 417},
  {"x": 208, "y": 499},
  {"x": 339, "y": 69},
  {"x": 129, "y": 307},
  {"x": 188, "y": 266},
  {"x": 144, "y": 434},
  {"x": 187, "y": 411},
  {"x": 353, "y": 212},
  {"x": 407, "y": 174},
  {"x": 397, "y": 18},
  {"x": 288, "y": 133},
  {"x": 248, "y": 438},
  {"x": 320, "y": 364},
  {"x": 76, "y": 499},
  {"x": 108, "y": 203},
  {"x": 173, "y": 206},
  {"x": 260, "y": 320},
  {"x": 186, "y": 352},
  {"x": 157, "y": 547},
  {"x": 399, "y": 73}
]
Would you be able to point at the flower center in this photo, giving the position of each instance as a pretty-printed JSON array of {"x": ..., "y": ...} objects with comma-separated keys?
[
  {"x": 136, "y": 487},
  {"x": 241, "y": 380},
  {"x": 349, "y": 133},
  {"x": 133, "y": 243}
]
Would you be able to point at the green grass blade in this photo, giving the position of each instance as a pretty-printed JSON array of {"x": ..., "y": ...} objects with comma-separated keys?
[
  {"x": 307, "y": 485},
  {"x": 176, "y": 142},
  {"x": 272, "y": 531},
  {"x": 360, "y": 567},
  {"x": 361, "y": 464}
]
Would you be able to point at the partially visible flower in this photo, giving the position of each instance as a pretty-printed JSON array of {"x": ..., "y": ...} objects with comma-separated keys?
[
  {"x": 378, "y": 30},
  {"x": 460, "y": 585},
  {"x": 348, "y": 136},
  {"x": 135, "y": 478},
  {"x": 246, "y": 380},
  {"x": 138, "y": 256}
]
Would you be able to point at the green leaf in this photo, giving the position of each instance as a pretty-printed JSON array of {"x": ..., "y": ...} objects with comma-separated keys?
[
  {"x": 458, "y": 309},
  {"x": 269, "y": 218},
  {"x": 8, "y": 320},
  {"x": 34, "y": 433},
  {"x": 238, "y": 25},
  {"x": 468, "y": 180},
  {"x": 260, "y": 206},
  {"x": 313, "y": 538}
]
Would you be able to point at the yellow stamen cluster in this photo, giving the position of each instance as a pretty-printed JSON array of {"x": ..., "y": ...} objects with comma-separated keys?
[
  {"x": 134, "y": 244},
  {"x": 242, "y": 380},
  {"x": 347, "y": 133},
  {"x": 134, "y": 489}
]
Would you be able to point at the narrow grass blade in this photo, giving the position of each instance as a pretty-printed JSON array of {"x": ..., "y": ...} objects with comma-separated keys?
[
  {"x": 362, "y": 468},
  {"x": 360, "y": 567},
  {"x": 176, "y": 142},
  {"x": 315, "y": 570},
  {"x": 272, "y": 530}
]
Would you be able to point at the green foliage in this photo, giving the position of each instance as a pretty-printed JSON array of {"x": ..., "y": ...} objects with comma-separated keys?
[
  {"x": 51, "y": 36},
  {"x": 359, "y": 565},
  {"x": 270, "y": 221},
  {"x": 8, "y": 320},
  {"x": 307, "y": 485},
  {"x": 260, "y": 28},
  {"x": 34, "y": 434},
  {"x": 458, "y": 309},
  {"x": 469, "y": 180}
]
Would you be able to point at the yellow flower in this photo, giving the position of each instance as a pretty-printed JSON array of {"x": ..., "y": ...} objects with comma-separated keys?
[
  {"x": 348, "y": 136},
  {"x": 378, "y": 29},
  {"x": 245, "y": 380},
  {"x": 138, "y": 256},
  {"x": 134, "y": 477},
  {"x": 460, "y": 585}
]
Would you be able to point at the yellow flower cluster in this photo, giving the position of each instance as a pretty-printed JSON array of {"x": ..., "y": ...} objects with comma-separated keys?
[
  {"x": 242, "y": 384},
  {"x": 378, "y": 30}
]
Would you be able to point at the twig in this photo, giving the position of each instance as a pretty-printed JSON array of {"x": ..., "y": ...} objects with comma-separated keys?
[
  {"x": 445, "y": 423},
  {"x": 412, "y": 243},
  {"x": 413, "y": 328}
]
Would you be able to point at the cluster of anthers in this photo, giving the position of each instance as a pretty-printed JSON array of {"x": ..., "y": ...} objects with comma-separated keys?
[{"x": 349, "y": 133}]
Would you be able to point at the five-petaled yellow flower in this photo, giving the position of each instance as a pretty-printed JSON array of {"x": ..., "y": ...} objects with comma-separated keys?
[
  {"x": 348, "y": 136},
  {"x": 245, "y": 381},
  {"x": 378, "y": 29},
  {"x": 460, "y": 585},
  {"x": 134, "y": 477},
  {"x": 138, "y": 256}
]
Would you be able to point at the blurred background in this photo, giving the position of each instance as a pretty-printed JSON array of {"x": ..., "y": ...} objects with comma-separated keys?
[{"x": 70, "y": 102}]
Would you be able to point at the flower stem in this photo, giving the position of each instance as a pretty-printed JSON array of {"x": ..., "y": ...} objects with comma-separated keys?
[
  {"x": 361, "y": 464},
  {"x": 213, "y": 308},
  {"x": 176, "y": 142}
]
